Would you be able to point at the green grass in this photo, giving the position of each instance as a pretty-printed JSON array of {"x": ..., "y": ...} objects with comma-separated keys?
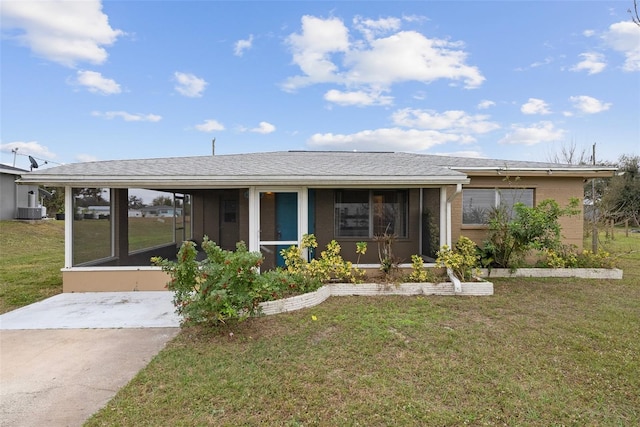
[
  {"x": 31, "y": 256},
  {"x": 539, "y": 352}
]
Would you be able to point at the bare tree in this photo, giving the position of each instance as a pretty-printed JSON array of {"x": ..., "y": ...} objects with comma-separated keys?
[
  {"x": 569, "y": 154},
  {"x": 635, "y": 17}
]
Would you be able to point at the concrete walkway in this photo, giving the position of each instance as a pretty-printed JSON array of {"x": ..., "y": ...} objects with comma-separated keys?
[{"x": 63, "y": 358}]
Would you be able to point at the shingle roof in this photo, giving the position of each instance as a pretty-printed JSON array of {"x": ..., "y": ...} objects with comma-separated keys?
[{"x": 284, "y": 167}]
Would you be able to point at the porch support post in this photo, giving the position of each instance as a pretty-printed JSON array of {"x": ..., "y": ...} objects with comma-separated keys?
[
  {"x": 445, "y": 238},
  {"x": 68, "y": 227},
  {"x": 254, "y": 220},
  {"x": 303, "y": 216}
]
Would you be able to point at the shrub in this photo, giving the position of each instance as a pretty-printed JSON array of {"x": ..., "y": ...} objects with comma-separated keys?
[
  {"x": 569, "y": 257},
  {"x": 462, "y": 260},
  {"x": 418, "y": 272},
  {"x": 532, "y": 228},
  {"x": 330, "y": 265},
  {"x": 225, "y": 286}
]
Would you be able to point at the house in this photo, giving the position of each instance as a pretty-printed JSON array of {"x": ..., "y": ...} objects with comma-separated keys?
[
  {"x": 270, "y": 200},
  {"x": 18, "y": 201}
]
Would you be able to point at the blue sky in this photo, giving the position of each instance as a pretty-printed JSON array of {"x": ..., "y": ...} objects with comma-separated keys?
[{"x": 91, "y": 80}]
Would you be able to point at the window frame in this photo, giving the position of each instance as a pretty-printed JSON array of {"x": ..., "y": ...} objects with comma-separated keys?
[{"x": 498, "y": 200}]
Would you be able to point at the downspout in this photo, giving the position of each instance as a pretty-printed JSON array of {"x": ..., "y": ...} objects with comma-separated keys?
[{"x": 457, "y": 286}]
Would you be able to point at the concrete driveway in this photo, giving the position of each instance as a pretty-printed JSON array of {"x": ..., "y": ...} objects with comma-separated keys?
[{"x": 63, "y": 358}]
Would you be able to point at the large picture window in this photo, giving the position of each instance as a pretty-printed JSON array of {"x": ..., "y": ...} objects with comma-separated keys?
[
  {"x": 367, "y": 213},
  {"x": 477, "y": 203}
]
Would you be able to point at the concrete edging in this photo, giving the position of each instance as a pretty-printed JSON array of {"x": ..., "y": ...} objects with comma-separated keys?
[
  {"x": 312, "y": 299},
  {"x": 584, "y": 273}
]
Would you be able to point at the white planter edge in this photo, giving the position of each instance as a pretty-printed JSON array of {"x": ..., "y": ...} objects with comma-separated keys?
[
  {"x": 584, "y": 273},
  {"x": 311, "y": 299}
]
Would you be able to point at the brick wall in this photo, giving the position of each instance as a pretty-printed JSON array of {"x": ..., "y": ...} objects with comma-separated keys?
[{"x": 561, "y": 189}]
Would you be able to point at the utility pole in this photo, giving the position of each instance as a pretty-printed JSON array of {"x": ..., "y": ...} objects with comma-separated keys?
[{"x": 594, "y": 232}]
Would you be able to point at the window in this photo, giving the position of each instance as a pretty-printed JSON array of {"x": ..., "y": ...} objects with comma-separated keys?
[
  {"x": 477, "y": 203},
  {"x": 366, "y": 213}
]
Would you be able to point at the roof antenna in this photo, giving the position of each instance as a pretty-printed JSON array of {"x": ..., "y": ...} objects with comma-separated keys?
[{"x": 213, "y": 147}]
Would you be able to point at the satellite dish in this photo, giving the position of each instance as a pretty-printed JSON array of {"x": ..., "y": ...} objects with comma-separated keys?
[
  {"x": 44, "y": 193},
  {"x": 34, "y": 164}
]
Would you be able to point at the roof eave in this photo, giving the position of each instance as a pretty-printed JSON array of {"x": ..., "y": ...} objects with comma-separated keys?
[{"x": 226, "y": 182}]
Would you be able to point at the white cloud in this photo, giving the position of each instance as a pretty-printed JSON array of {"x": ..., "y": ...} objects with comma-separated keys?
[
  {"x": 63, "y": 31},
  {"x": 373, "y": 27},
  {"x": 535, "y": 134},
  {"x": 472, "y": 154},
  {"x": 589, "y": 105},
  {"x": 485, "y": 103},
  {"x": 592, "y": 62},
  {"x": 452, "y": 121},
  {"x": 127, "y": 117},
  {"x": 624, "y": 37},
  {"x": 210, "y": 126},
  {"x": 96, "y": 83},
  {"x": 535, "y": 106},
  {"x": 189, "y": 85},
  {"x": 312, "y": 50},
  {"x": 28, "y": 148},
  {"x": 86, "y": 158},
  {"x": 241, "y": 45},
  {"x": 386, "y": 139},
  {"x": 264, "y": 128},
  {"x": 325, "y": 54},
  {"x": 360, "y": 98}
]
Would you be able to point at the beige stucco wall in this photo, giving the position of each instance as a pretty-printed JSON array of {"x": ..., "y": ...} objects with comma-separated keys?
[
  {"x": 560, "y": 189},
  {"x": 116, "y": 279}
]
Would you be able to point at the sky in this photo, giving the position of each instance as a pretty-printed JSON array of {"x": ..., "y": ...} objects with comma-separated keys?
[{"x": 518, "y": 80}]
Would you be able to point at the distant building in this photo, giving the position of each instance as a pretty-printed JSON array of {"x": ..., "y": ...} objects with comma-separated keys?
[{"x": 14, "y": 196}]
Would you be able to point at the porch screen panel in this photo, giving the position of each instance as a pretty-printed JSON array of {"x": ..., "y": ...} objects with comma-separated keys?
[
  {"x": 91, "y": 225},
  {"x": 390, "y": 212},
  {"x": 151, "y": 218},
  {"x": 351, "y": 213}
]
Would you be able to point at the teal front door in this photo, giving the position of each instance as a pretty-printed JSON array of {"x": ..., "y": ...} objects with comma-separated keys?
[
  {"x": 286, "y": 221},
  {"x": 278, "y": 225}
]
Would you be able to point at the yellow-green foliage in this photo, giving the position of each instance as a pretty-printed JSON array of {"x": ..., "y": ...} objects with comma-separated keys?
[
  {"x": 462, "y": 259},
  {"x": 330, "y": 265},
  {"x": 418, "y": 273}
]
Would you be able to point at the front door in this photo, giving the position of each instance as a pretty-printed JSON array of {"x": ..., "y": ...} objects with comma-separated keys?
[{"x": 278, "y": 225}]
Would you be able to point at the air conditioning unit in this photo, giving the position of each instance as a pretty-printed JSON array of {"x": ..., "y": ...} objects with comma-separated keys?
[{"x": 29, "y": 213}]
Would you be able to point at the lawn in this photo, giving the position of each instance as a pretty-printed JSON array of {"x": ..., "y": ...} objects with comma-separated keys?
[
  {"x": 31, "y": 256},
  {"x": 539, "y": 352}
]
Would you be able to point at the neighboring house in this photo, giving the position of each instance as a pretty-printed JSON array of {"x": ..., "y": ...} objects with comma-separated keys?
[
  {"x": 270, "y": 200},
  {"x": 160, "y": 211},
  {"x": 14, "y": 196}
]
